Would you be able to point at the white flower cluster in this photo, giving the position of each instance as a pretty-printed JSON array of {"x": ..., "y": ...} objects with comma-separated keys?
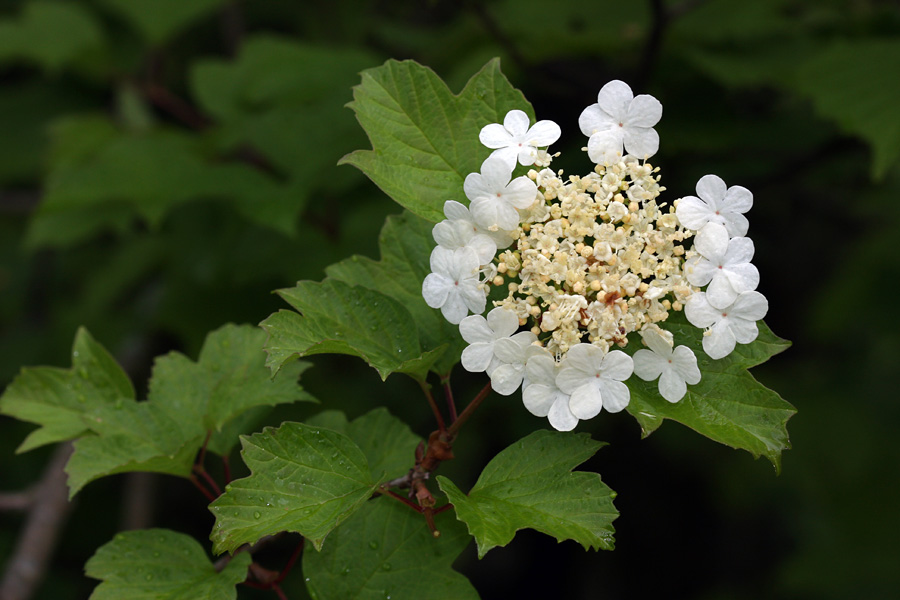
[{"x": 588, "y": 260}]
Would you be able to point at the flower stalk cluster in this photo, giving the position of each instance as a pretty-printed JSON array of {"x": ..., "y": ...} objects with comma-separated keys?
[{"x": 588, "y": 261}]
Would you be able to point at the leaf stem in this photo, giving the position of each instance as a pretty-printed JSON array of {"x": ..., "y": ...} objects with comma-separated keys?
[
  {"x": 290, "y": 563},
  {"x": 397, "y": 496},
  {"x": 278, "y": 592},
  {"x": 227, "y": 468},
  {"x": 203, "y": 490},
  {"x": 434, "y": 408},
  {"x": 448, "y": 395},
  {"x": 467, "y": 412}
]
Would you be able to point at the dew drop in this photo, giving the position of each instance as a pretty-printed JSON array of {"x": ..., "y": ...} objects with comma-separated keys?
[
  {"x": 386, "y": 567},
  {"x": 256, "y": 515},
  {"x": 345, "y": 571},
  {"x": 156, "y": 554},
  {"x": 373, "y": 545},
  {"x": 148, "y": 577}
]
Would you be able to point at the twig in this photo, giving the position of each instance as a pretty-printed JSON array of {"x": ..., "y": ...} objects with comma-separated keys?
[
  {"x": 175, "y": 106},
  {"x": 399, "y": 498},
  {"x": 433, "y": 405},
  {"x": 138, "y": 501},
  {"x": 38, "y": 538},
  {"x": 209, "y": 495},
  {"x": 13, "y": 501}
]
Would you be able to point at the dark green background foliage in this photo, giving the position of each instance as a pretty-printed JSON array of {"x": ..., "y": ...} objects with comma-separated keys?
[{"x": 164, "y": 165}]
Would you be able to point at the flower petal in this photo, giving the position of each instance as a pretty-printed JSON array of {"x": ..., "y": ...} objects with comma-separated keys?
[
  {"x": 699, "y": 312},
  {"x": 644, "y": 111},
  {"x": 693, "y": 212},
  {"x": 648, "y": 365},
  {"x": 720, "y": 293},
  {"x": 477, "y": 357},
  {"x": 506, "y": 379},
  {"x": 495, "y": 135},
  {"x": 496, "y": 173},
  {"x": 712, "y": 189},
  {"x": 508, "y": 154},
  {"x": 605, "y": 146},
  {"x": 642, "y": 142},
  {"x": 712, "y": 242},
  {"x": 744, "y": 331},
  {"x": 521, "y": 193},
  {"x": 743, "y": 278},
  {"x": 560, "y": 417},
  {"x": 615, "y": 395},
  {"x": 737, "y": 199},
  {"x": 616, "y": 365},
  {"x": 475, "y": 329},
  {"x": 699, "y": 271},
  {"x": 456, "y": 211},
  {"x": 503, "y": 322},
  {"x": 736, "y": 224},
  {"x": 685, "y": 363},
  {"x": 671, "y": 386},
  {"x": 435, "y": 289},
  {"x": 543, "y": 133},
  {"x": 614, "y": 99},
  {"x": 593, "y": 120},
  {"x": 586, "y": 402},
  {"x": 740, "y": 250},
  {"x": 538, "y": 398},
  {"x": 752, "y": 306},
  {"x": 719, "y": 343},
  {"x": 516, "y": 122},
  {"x": 454, "y": 309}
]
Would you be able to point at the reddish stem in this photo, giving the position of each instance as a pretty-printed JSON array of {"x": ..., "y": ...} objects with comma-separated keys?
[
  {"x": 202, "y": 489},
  {"x": 397, "y": 496},
  {"x": 227, "y": 467},
  {"x": 290, "y": 563},
  {"x": 278, "y": 592},
  {"x": 433, "y": 405},
  {"x": 448, "y": 395},
  {"x": 465, "y": 414},
  {"x": 208, "y": 479},
  {"x": 447, "y": 506}
]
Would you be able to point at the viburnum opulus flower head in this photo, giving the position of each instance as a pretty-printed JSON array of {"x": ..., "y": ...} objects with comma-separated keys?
[{"x": 588, "y": 263}]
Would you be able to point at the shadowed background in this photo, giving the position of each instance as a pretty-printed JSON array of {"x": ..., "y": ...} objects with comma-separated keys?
[{"x": 165, "y": 164}]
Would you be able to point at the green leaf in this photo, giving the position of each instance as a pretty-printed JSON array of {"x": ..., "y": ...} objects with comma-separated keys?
[
  {"x": 186, "y": 401},
  {"x": 57, "y": 399},
  {"x": 51, "y": 34},
  {"x": 228, "y": 378},
  {"x": 159, "y": 20},
  {"x": 387, "y": 442},
  {"x": 531, "y": 485},
  {"x": 424, "y": 138},
  {"x": 406, "y": 246},
  {"x": 341, "y": 319},
  {"x": 845, "y": 85},
  {"x": 159, "y": 564},
  {"x": 385, "y": 550},
  {"x": 728, "y": 405},
  {"x": 302, "y": 478}
]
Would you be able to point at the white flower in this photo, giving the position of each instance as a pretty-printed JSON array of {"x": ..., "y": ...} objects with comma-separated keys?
[
  {"x": 453, "y": 285},
  {"x": 495, "y": 198},
  {"x": 481, "y": 334},
  {"x": 723, "y": 264},
  {"x": 457, "y": 212},
  {"x": 621, "y": 118},
  {"x": 542, "y": 397},
  {"x": 459, "y": 234},
  {"x": 735, "y": 323},
  {"x": 594, "y": 379},
  {"x": 513, "y": 352},
  {"x": 675, "y": 368},
  {"x": 717, "y": 204},
  {"x": 515, "y": 141}
]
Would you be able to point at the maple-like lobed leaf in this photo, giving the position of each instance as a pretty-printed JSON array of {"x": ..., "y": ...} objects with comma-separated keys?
[
  {"x": 728, "y": 405},
  {"x": 337, "y": 318},
  {"x": 385, "y": 550},
  {"x": 57, "y": 399},
  {"x": 303, "y": 479},
  {"x": 425, "y": 138},
  {"x": 531, "y": 485},
  {"x": 159, "y": 564}
]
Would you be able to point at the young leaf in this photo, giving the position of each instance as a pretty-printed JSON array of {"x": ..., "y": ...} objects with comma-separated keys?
[
  {"x": 341, "y": 319},
  {"x": 302, "y": 478},
  {"x": 387, "y": 442},
  {"x": 531, "y": 485},
  {"x": 385, "y": 550},
  {"x": 56, "y": 399},
  {"x": 406, "y": 246},
  {"x": 424, "y": 138},
  {"x": 728, "y": 405},
  {"x": 51, "y": 34},
  {"x": 159, "y": 564}
]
